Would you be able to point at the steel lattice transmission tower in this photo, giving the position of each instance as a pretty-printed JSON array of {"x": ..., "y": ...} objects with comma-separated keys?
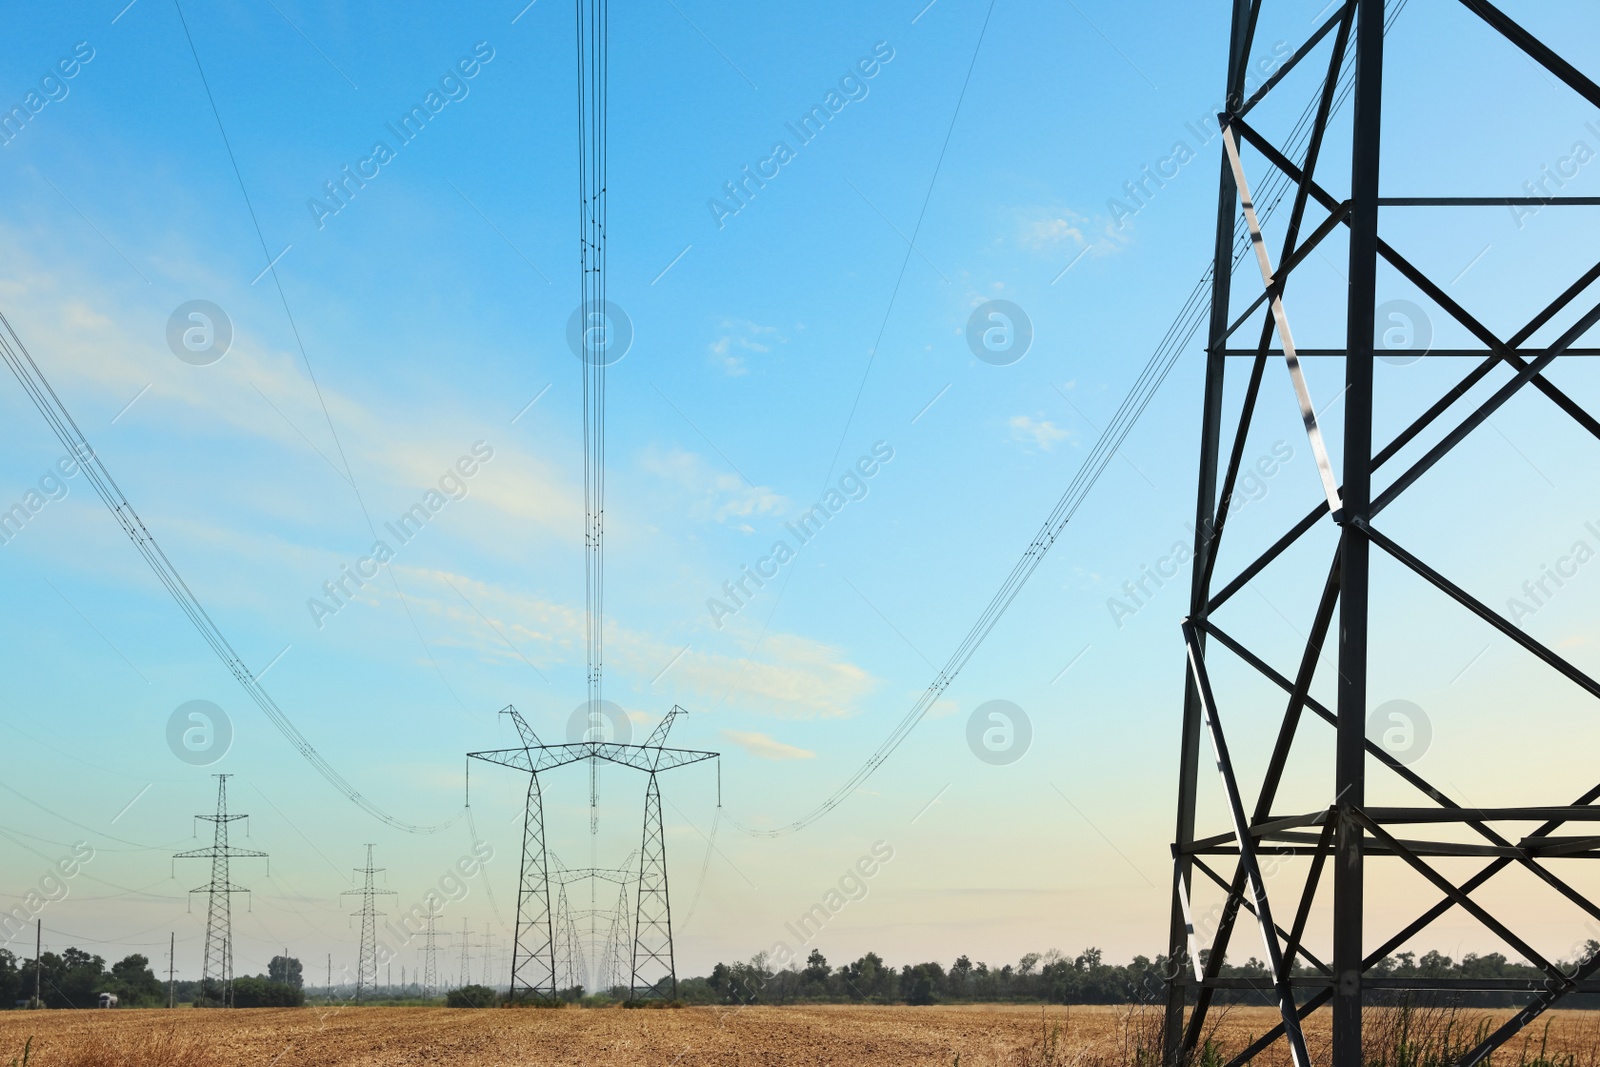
[
  {"x": 571, "y": 950},
  {"x": 216, "y": 975},
  {"x": 430, "y": 965},
  {"x": 533, "y": 954},
  {"x": 653, "y": 972},
  {"x": 488, "y": 955},
  {"x": 367, "y": 961},
  {"x": 568, "y": 951},
  {"x": 615, "y": 966},
  {"x": 1358, "y": 484}
]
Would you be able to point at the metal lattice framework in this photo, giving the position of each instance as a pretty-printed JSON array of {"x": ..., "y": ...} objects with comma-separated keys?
[
  {"x": 654, "y": 975},
  {"x": 571, "y": 948},
  {"x": 367, "y": 960},
  {"x": 216, "y": 975},
  {"x": 541, "y": 942},
  {"x": 571, "y": 970},
  {"x": 430, "y": 960},
  {"x": 614, "y": 963},
  {"x": 1340, "y": 838}
]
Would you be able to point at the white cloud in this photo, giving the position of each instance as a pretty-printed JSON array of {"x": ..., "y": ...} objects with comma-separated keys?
[
  {"x": 762, "y": 746},
  {"x": 1052, "y": 231},
  {"x": 1064, "y": 231},
  {"x": 740, "y": 336},
  {"x": 1042, "y": 435},
  {"x": 264, "y": 393},
  {"x": 794, "y": 677},
  {"x": 718, "y": 495}
]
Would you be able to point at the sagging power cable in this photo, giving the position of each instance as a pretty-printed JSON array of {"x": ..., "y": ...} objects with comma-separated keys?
[{"x": 1172, "y": 345}]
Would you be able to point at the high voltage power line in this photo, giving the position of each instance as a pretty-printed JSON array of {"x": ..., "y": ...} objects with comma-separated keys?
[{"x": 1160, "y": 364}]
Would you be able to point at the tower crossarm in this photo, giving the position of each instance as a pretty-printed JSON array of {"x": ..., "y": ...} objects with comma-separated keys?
[
  {"x": 529, "y": 738},
  {"x": 212, "y": 852},
  {"x": 547, "y": 757},
  {"x": 658, "y": 736},
  {"x": 652, "y": 758},
  {"x": 534, "y": 759},
  {"x": 618, "y": 876}
]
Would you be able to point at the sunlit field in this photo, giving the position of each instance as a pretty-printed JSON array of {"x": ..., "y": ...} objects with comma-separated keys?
[{"x": 972, "y": 1036}]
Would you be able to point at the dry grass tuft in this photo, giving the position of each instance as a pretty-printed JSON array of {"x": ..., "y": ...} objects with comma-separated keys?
[{"x": 150, "y": 1048}]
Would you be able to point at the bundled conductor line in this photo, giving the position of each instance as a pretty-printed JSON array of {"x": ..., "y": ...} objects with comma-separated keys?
[
  {"x": 66, "y": 430},
  {"x": 1172, "y": 345}
]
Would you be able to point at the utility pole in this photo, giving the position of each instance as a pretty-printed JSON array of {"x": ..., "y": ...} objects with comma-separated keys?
[
  {"x": 38, "y": 942},
  {"x": 172, "y": 951},
  {"x": 330, "y": 976},
  {"x": 367, "y": 963},
  {"x": 218, "y": 967}
]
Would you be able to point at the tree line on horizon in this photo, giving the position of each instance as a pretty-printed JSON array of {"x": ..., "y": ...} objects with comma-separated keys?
[
  {"x": 75, "y": 979},
  {"x": 1086, "y": 978}
]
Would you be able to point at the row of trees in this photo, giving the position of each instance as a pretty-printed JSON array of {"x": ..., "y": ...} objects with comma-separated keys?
[
  {"x": 1056, "y": 978},
  {"x": 75, "y": 979}
]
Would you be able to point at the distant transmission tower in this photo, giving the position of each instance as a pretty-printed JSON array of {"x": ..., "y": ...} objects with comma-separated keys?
[
  {"x": 216, "y": 976},
  {"x": 488, "y": 955},
  {"x": 466, "y": 956},
  {"x": 614, "y": 965},
  {"x": 534, "y": 947},
  {"x": 430, "y": 966},
  {"x": 571, "y": 950},
  {"x": 567, "y": 949},
  {"x": 367, "y": 963}
]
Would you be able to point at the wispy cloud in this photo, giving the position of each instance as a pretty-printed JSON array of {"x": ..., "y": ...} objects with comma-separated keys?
[
  {"x": 762, "y": 746},
  {"x": 1058, "y": 231},
  {"x": 1042, "y": 434},
  {"x": 736, "y": 338},
  {"x": 714, "y": 494},
  {"x": 792, "y": 677}
]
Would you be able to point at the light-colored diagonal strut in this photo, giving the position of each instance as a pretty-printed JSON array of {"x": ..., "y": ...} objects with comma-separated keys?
[
  {"x": 1247, "y": 850},
  {"x": 1308, "y": 411}
]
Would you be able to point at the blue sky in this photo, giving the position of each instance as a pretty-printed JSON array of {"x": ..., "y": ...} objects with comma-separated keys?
[{"x": 423, "y": 317}]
